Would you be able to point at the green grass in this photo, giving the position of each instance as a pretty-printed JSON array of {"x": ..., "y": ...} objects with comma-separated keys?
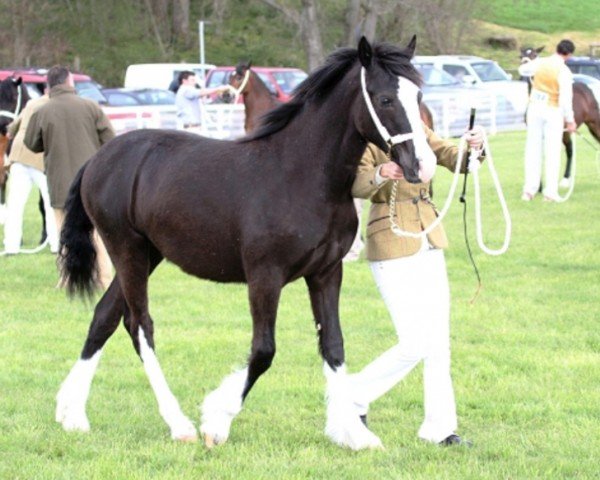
[
  {"x": 526, "y": 363},
  {"x": 548, "y": 16}
]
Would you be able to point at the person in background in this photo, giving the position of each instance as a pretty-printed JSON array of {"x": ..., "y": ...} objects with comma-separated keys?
[
  {"x": 411, "y": 276},
  {"x": 550, "y": 111},
  {"x": 26, "y": 170},
  {"x": 69, "y": 130},
  {"x": 188, "y": 98}
]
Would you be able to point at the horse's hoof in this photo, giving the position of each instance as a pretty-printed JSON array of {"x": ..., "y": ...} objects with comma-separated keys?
[
  {"x": 191, "y": 438},
  {"x": 209, "y": 441}
]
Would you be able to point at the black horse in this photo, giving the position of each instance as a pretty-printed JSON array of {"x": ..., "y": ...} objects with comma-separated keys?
[
  {"x": 266, "y": 210},
  {"x": 585, "y": 109},
  {"x": 13, "y": 98}
]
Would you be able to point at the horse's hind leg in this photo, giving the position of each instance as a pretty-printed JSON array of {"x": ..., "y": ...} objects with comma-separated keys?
[
  {"x": 569, "y": 149},
  {"x": 72, "y": 396},
  {"x": 344, "y": 426},
  {"x": 222, "y": 405},
  {"x": 141, "y": 258}
]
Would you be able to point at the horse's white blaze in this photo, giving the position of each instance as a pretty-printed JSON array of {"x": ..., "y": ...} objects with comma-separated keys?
[
  {"x": 344, "y": 426},
  {"x": 222, "y": 405},
  {"x": 181, "y": 427},
  {"x": 408, "y": 96},
  {"x": 73, "y": 394}
]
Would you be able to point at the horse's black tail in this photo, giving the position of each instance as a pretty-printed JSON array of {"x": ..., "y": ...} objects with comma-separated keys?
[{"x": 77, "y": 258}]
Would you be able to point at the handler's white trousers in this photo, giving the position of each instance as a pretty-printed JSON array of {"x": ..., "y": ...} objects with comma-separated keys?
[
  {"x": 545, "y": 126},
  {"x": 22, "y": 178},
  {"x": 416, "y": 292}
]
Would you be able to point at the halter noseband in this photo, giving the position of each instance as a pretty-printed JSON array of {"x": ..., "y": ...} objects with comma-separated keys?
[
  {"x": 13, "y": 115},
  {"x": 391, "y": 140}
]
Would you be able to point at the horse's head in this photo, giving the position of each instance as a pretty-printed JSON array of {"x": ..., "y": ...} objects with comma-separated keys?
[
  {"x": 530, "y": 53},
  {"x": 240, "y": 76},
  {"x": 13, "y": 96},
  {"x": 391, "y": 119}
]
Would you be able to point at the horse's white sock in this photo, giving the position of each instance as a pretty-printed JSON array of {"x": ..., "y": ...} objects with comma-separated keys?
[
  {"x": 181, "y": 427},
  {"x": 73, "y": 394}
]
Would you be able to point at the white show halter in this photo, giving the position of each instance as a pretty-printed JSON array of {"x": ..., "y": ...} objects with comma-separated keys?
[
  {"x": 238, "y": 91},
  {"x": 473, "y": 165},
  {"x": 389, "y": 139},
  {"x": 13, "y": 115}
]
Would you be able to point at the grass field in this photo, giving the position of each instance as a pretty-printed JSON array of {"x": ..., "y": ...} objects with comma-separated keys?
[
  {"x": 547, "y": 16},
  {"x": 526, "y": 362}
]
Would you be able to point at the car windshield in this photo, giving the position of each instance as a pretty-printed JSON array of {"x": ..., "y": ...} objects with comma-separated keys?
[
  {"x": 88, "y": 89},
  {"x": 489, "y": 72},
  {"x": 287, "y": 81},
  {"x": 434, "y": 77}
]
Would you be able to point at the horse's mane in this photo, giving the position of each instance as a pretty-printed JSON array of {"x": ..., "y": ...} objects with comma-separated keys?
[{"x": 319, "y": 84}]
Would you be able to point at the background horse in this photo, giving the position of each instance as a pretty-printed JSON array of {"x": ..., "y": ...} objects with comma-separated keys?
[
  {"x": 257, "y": 98},
  {"x": 13, "y": 97},
  {"x": 585, "y": 108},
  {"x": 269, "y": 209}
]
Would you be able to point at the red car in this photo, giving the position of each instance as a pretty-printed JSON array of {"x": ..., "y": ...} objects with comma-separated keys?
[
  {"x": 281, "y": 81},
  {"x": 35, "y": 81}
]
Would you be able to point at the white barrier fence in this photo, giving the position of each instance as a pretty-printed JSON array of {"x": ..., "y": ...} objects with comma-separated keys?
[{"x": 226, "y": 121}]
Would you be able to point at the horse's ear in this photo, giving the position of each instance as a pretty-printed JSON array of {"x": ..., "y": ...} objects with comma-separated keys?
[
  {"x": 17, "y": 81},
  {"x": 539, "y": 49},
  {"x": 249, "y": 64},
  {"x": 412, "y": 45},
  {"x": 365, "y": 52}
]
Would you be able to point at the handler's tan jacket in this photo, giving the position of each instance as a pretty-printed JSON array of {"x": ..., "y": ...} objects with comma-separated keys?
[
  {"x": 19, "y": 153},
  {"x": 414, "y": 209}
]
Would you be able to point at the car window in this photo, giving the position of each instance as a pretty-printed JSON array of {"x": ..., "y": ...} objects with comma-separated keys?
[
  {"x": 592, "y": 70},
  {"x": 489, "y": 72},
  {"x": 288, "y": 81},
  {"x": 268, "y": 82},
  {"x": 457, "y": 71},
  {"x": 121, "y": 99},
  {"x": 32, "y": 90},
  {"x": 218, "y": 77},
  {"x": 156, "y": 97},
  {"x": 88, "y": 89},
  {"x": 434, "y": 76}
]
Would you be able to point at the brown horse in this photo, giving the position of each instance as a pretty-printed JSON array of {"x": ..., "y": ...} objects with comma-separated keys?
[
  {"x": 257, "y": 98},
  {"x": 585, "y": 108}
]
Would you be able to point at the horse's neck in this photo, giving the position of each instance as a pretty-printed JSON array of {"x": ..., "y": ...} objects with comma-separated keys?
[{"x": 329, "y": 145}]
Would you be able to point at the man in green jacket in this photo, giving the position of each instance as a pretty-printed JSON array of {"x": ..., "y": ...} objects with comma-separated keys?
[{"x": 69, "y": 130}]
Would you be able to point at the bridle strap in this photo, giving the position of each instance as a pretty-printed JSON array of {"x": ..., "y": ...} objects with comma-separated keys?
[
  {"x": 387, "y": 138},
  {"x": 13, "y": 115},
  {"x": 238, "y": 91}
]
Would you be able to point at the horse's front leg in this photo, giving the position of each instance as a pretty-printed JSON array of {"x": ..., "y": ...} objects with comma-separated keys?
[
  {"x": 344, "y": 426},
  {"x": 222, "y": 405}
]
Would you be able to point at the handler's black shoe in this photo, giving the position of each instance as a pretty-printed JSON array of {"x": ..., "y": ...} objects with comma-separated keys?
[
  {"x": 455, "y": 440},
  {"x": 363, "y": 419}
]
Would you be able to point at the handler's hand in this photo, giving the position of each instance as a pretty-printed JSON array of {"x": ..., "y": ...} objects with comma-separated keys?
[
  {"x": 391, "y": 170},
  {"x": 475, "y": 137},
  {"x": 571, "y": 127}
]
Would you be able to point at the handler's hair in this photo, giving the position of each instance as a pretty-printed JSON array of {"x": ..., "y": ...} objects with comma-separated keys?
[
  {"x": 185, "y": 75},
  {"x": 565, "y": 47},
  {"x": 57, "y": 75}
]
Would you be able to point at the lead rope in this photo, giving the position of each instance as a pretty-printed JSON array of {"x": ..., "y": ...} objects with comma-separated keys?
[{"x": 473, "y": 169}]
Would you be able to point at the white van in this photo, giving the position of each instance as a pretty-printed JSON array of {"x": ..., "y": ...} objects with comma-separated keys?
[{"x": 161, "y": 75}]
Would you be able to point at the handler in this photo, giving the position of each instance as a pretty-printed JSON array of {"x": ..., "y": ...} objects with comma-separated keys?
[
  {"x": 550, "y": 110},
  {"x": 411, "y": 277}
]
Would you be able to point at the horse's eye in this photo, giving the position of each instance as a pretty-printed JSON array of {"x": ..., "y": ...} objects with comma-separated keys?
[{"x": 385, "y": 101}]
